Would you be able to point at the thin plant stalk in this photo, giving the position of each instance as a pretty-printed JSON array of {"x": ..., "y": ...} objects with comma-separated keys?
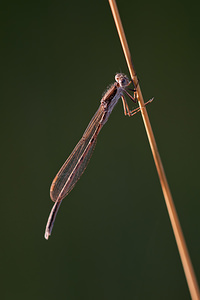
[{"x": 181, "y": 244}]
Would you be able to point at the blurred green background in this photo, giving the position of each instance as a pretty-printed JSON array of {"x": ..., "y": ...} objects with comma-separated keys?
[{"x": 112, "y": 238}]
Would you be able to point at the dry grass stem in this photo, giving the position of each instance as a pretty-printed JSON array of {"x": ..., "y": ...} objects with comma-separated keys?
[{"x": 182, "y": 248}]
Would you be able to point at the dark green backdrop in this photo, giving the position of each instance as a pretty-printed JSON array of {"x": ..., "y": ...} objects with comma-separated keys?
[{"x": 112, "y": 238}]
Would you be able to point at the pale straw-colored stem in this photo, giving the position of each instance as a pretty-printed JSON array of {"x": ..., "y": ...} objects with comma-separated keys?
[{"x": 182, "y": 248}]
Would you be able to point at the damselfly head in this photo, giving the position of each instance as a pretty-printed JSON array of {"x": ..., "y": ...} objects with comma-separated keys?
[{"x": 122, "y": 79}]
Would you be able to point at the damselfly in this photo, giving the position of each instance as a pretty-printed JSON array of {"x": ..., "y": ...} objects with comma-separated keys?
[{"x": 76, "y": 163}]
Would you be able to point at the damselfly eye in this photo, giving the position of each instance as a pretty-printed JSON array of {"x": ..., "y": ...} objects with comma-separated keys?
[{"x": 123, "y": 82}]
